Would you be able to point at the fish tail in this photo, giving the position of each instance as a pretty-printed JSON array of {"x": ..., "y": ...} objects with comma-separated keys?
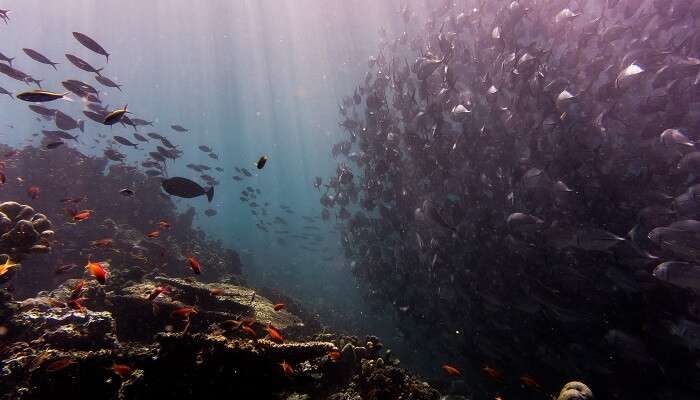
[
  {"x": 54, "y": 66},
  {"x": 210, "y": 194},
  {"x": 107, "y": 56}
]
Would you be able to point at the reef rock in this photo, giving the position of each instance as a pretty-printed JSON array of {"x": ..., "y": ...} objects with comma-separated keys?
[{"x": 22, "y": 229}]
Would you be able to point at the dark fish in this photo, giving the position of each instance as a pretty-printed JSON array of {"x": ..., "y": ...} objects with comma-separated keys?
[
  {"x": 97, "y": 117},
  {"x": 125, "y": 141},
  {"x": 82, "y": 64},
  {"x": 183, "y": 187},
  {"x": 43, "y": 111},
  {"x": 36, "y": 56},
  {"x": 179, "y": 128},
  {"x": 4, "y": 91},
  {"x": 90, "y": 44},
  {"x": 17, "y": 74},
  {"x": 156, "y": 156},
  {"x": 126, "y": 192},
  {"x": 107, "y": 82},
  {"x": 54, "y": 145},
  {"x": 154, "y": 135},
  {"x": 167, "y": 143},
  {"x": 115, "y": 116},
  {"x": 40, "y": 96},
  {"x": 261, "y": 162},
  {"x": 205, "y": 149},
  {"x": 210, "y": 212},
  {"x": 64, "y": 121},
  {"x": 6, "y": 58},
  {"x": 59, "y": 135},
  {"x": 141, "y": 122},
  {"x": 153, "y": 172},
  {"x": 214, "y": 156},
  {"x": 246, "y": 172},
  {"x": 140, "y": 138}
]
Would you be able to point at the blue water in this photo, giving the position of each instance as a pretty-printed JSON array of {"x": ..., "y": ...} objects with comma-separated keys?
[{"x": 247, "y": 78}]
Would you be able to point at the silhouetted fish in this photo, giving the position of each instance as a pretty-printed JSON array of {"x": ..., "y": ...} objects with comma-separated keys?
[
  {"x": 82, "y": 64},
  {"x": 107, "y": 82},
  {"x": 90, "y": 44},
  {"x": 36, "y": 56},
  {"x": 183, "y": 187}
]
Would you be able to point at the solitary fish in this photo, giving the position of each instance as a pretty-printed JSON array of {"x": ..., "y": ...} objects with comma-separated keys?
[
  {"x": 36, "y": 56},
  {"x": 90, "y": 44},
  {"x": 115, "y": 116},
  {"x": 261, "y": 162},
  {"x": 82, "y": 64},
  {"x": 41, "y": 96},
  {"x": 183, "y": 187},
  {"x": 179, "y": 128}
]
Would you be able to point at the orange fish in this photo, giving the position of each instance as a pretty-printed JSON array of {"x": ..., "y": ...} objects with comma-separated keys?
[
  {"x": 287, "y": 369},
  {"x": 334, "y": 355},
  {"x": 154, "y": 234},
  {"x": 157, "y": 291},
  {"x": 82, "y": 215},
  {"x": 164, "y": 224},
  {"x": 77, "y": 289},
  {"x": 183, "y": 312},
  {"x": 122, "y": 370},
  {"x": 217, "y": 291},
  {"x": 274, "y": 333},
  {"x": 452, "y": 371},
  {"x": 59, "y": 364},
  {"x": 530, "y": 382},
  {"x": 102, "y": 242},
  {"x": 195, "y": 265},
  {"x": 249, "y": 331},
  {"x": 493, "y": 373},
  {"x": 498, "y": 398},
  {"x": 97, "y": 271},
  {"x": 33, "y": 192},
  {"x": 278, "y": 306},
  {"x": 3, "y": 178},
  {"x": 77, "y": 304}
]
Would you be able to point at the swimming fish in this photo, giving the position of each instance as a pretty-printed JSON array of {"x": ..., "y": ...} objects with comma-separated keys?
[
  {"x": 36, "y": 56},
  {"x": 115, "y": 116},
  {"x": 98, "y": 271},
  {"x": 183, "y": 187},
  {"x": 260, "y": 164},
  {"x": 41, "y": 96},
  {"x": 91, "y": 44}
]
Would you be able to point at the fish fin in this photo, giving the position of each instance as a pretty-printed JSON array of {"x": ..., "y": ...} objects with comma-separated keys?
[{"x": 210, "y": 194}]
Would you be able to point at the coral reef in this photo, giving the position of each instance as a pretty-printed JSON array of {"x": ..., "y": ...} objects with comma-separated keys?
[
  {"x": 575, "y": 391},
  {"x": 23, "y": 230}
]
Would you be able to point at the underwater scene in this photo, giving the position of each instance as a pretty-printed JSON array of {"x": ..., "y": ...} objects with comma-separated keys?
[{"x": 350, "y": 199}]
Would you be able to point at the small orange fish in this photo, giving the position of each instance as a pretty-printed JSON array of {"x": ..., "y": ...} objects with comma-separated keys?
[
  {"x": 278, "y": 306},
  {"x": 122, "y": 370},
  {"x": 82, "y": 215},
  {"x": 154, "y": 234},
  {"x": 164, "y": 224},
  {"x": 98, "y": 271},
  {"x": 452, "y": 371},
  {"x": 493, "y": 373},
  {"x": 217, "y": 291},
  {"x": 274, "y": 333},
  {"x": 102, "y": 242},
  {"x": 287, "y": 369},
  {"x": 3, "y": 178},
  {"x": 530, "y": 382},
  {"x": 77, "y": 304},
  {"x": 77, "y": 289},
  {"x": 195, "y": 265},
  {"x": 334, "y": 355},
  {"x": 183, "y": 312},
  {"x": 157, "y": 291},
  {"x": 33, "y": 192},
  {"x": 59, "y": 364},
  {"x": 249, "y": 331}
]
